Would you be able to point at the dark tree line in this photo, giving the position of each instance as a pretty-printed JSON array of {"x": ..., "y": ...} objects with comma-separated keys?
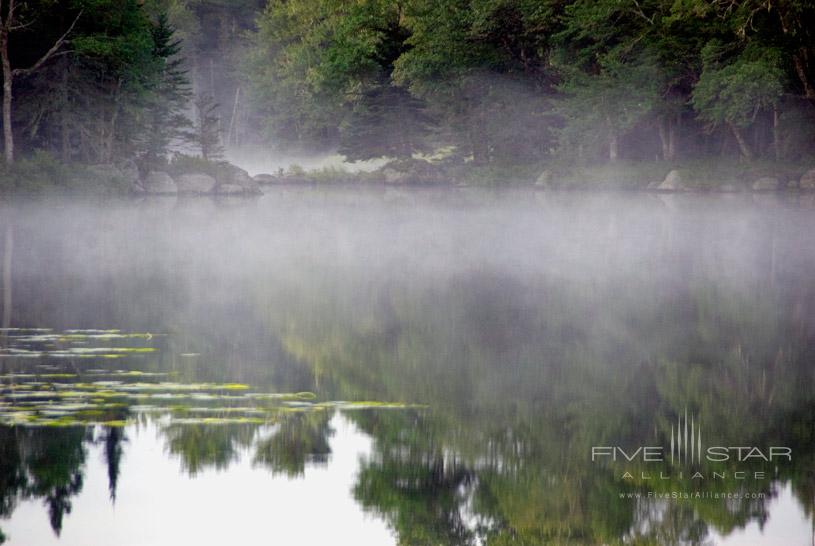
[
  {"x": 495, "y": 81},
  {"x": 94, "y": 81}
]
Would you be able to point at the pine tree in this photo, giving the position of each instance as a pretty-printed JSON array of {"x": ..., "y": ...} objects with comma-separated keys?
[
  {"x": 166, "y": 122},
  {"x": 207, "y": 131},
  {"x": 385, "y": 122}
]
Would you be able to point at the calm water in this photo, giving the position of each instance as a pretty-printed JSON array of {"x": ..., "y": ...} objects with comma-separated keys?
[{"x": 408, "y": 367}]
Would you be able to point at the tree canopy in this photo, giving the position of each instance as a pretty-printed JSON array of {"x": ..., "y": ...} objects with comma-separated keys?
[{"x": 481, "y": 81}]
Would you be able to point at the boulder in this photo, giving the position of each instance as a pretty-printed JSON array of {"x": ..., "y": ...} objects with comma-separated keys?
[
  {"x": 230, "y": 189},
  {"x": 672, "y": 182},
  {"x": 195, "y": 183},
  {"x": 297, "y": 179},
  {"x": 392, "y": 176},
  {"x": 241, "y": 178},
  {"x": 544, "y": 180},
  {"x": 412, "y": 171},
  {"x": 808, "y": 180},
  {"x": 266, "y": 178},
  {"x": 729, "y": 188},
  {"x": 130, "y": 171},
  {"x": 765, "y": 183},
  {"x": 159, "y": 182}
]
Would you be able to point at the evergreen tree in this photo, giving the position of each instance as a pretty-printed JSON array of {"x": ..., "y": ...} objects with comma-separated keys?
[
  {"x": 385, "y": 122},
  {"x": 207, "y": 134},
  {"x": 90, "y": 105},
  {"x": 166, "y": 122}
]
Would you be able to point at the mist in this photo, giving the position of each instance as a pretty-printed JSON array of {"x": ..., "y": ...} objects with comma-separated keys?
[
  {"x": 376, "y": 244},
  {"x": 298, "y": 271}
]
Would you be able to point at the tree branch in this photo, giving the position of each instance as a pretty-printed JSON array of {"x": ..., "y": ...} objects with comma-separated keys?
[
  {"x": 10, "y": 16},
  {"x": 19, "y": 26},
  {"x": 638, "y": 11},
  {"x": 48, "y": 54}
]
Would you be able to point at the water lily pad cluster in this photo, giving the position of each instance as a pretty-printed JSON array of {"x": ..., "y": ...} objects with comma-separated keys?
[{"x": 64, "y": 378}]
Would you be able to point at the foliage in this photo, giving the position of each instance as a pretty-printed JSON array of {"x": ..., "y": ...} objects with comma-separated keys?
[
  {"x": 498, "y": 82},
  {"x": 34, "y": 174},
  {"x": 601, "y": 108},
  {"x": 207, "y": 134},
  {"x": 181, "y": 163},
  {"x": 166, "y": 122},
  {"x": 508, "y": 80},
  {"x": 735, "y": 92}
]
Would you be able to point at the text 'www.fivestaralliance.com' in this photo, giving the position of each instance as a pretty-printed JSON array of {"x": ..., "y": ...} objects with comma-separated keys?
[{"x": 692, "y": 495}]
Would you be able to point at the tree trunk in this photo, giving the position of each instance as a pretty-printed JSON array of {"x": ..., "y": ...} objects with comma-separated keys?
[
  {"x": 63, "y": 120},
  {"x": 664, "y": 130},
  {"x": 232, "y": 135},
  {"x": 801, "y": 70},
  {"x": 776, "y": 134},
  {"x": 478, "y": 139},
  {"x": 8, "y": 248},
  {"x": 8, "y": 78},
  {"x": 744, "y": 146},
  {"x": 110, "y": 130},
  {"x": 667, "y": 136},
  {"x": 672, "y": 141},
  {"x": 613, "y": 148},
  {"x": 613, "y": 142}
]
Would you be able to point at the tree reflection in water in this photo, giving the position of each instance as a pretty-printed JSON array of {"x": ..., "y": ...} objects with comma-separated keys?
[{"x": 598, "y": 327}]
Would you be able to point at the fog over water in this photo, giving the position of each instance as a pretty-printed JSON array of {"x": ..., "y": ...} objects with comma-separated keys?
[{"x": 494, "y": 336}]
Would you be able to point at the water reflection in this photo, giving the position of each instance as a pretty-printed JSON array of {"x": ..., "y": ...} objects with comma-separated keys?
[{"x": 507, "y": 334}]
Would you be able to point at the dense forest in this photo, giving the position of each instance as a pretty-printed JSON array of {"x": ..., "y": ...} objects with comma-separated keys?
[{"x": 477, "y": 82}]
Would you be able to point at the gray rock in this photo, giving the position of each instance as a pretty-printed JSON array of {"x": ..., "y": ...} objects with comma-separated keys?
[
  {"x": 413, "y": 171},
  {"x": 130, "y": 171},
  {"x": 195, "y": 183},
  {"x": 765, "y": 183},
  {"x": 544, "y": 180},
  {"x": 729, "y": 188},
  {"x": 231, "y": 189},
  {"x": 653, "y": 185},
  {"x": 808, "y": 180},
  {"x": 266, "y": 178},
  {"x": 392, "y": 176},
  {"x": 296, "y": 179},
  {"x": 159, "y": 182},
  {"x": 239, "y": 177},
  {"x": 672, "y": 182}
]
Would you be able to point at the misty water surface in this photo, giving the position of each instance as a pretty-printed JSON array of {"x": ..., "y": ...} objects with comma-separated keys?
[{"x": 409, "y": 367}]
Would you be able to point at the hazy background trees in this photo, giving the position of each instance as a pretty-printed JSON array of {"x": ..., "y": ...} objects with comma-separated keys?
[{"x": 517, "y": 80}]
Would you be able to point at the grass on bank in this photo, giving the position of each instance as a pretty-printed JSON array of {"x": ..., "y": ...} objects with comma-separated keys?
[
  {"x": 702, "y": 174},
  {"x": 42, "y": 174}
]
